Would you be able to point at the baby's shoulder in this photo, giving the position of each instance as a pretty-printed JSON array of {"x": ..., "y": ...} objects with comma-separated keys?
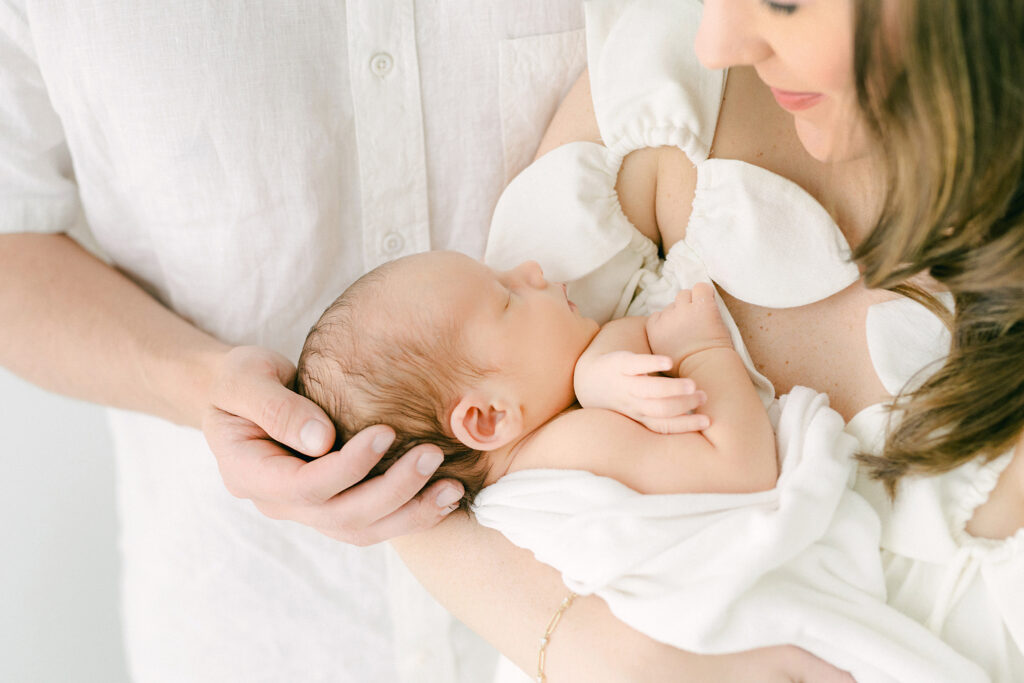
[{"x": 582, "y": 439}]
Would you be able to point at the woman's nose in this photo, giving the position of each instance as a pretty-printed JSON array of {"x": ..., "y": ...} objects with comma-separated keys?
[{"x": 728, "y": 35}]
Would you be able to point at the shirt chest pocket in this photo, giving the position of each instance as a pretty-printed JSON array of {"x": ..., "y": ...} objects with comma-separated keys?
[{"x": 535, "y": 73}]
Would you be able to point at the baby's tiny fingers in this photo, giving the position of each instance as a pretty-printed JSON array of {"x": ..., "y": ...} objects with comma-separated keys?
[
  {"x": 702, "y": 291},
  {"x": 671, "y": 406},
  {"x": 661, "y": 387},
  {"x": 641, "y": 364}
]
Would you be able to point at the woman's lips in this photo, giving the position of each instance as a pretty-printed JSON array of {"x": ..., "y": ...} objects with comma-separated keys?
[{"x": 796, "y": 101}]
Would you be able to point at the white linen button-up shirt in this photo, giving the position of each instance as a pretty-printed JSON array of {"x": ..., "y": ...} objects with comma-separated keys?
[{"x": 244, "y": 161}]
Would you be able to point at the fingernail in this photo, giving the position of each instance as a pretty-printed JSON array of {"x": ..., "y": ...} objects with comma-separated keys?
[
  {"x": 448, "y": 497},
  {"x": 701, "y": 396},
  {"x": 429, "y": 462},
  {"x": 314, "y": 435},
  {"x": 381, "y": 442}
]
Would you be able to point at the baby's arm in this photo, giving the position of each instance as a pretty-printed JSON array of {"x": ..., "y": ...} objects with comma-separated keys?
[
  {"x": 613, "y": 373},
  {"x": 735, "y": 454},
  {"x": 692, "y": 333}
]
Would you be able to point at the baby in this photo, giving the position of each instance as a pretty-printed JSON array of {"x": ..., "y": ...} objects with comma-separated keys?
[{"x": 489, "y": 365}]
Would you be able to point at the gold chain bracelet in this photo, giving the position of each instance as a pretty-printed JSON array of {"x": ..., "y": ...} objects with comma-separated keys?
[{"x": 546, "y": 638}]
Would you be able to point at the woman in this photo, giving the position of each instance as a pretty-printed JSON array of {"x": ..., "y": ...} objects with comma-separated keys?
[{"x": 902, "y": 119}]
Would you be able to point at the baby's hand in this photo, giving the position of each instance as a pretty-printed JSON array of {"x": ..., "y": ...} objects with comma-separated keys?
[
  {"x": 620, "y": 381},
  {"x": 690, "y": 324}
]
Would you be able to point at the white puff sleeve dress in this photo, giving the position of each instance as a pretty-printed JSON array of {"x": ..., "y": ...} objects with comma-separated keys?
[{"x": 764, "y": 240}]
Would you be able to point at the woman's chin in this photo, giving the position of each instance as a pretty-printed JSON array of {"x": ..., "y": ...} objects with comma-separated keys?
[{"x": 830, "y": 145}]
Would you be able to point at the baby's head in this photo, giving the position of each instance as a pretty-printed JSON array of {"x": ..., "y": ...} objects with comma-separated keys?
[{"x": 446, "y": 351}]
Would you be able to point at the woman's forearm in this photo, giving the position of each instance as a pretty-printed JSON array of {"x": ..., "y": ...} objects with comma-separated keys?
[
  {"x": 76, "y": 326},
  {"x": 506, "y": 596}
]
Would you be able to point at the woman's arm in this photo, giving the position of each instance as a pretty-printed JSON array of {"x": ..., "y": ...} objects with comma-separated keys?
[
  {"x": 574, "y": 120},
  {"x": 506, "y": 596}
]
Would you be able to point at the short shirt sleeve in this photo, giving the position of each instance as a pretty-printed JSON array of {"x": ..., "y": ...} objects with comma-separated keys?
[{"x": 37, "y": 188}]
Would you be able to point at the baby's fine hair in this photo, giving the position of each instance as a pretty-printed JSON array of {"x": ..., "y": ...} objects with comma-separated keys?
[{"x": 365, "y": 365}]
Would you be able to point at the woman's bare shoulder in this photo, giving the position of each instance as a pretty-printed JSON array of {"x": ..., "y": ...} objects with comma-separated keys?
[
  {"x": 574, "y": 120},
  {"x": 1002, "y": 515}
]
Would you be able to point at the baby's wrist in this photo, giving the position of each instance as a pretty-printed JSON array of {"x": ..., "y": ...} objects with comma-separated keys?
[{"x": 706, "y": 347}]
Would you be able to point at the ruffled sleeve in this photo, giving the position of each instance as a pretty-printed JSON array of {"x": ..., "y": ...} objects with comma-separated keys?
[
  {"x": 564, "y": 213},
  {"x": 764, "y": 239},
  {"x": 651, "y": 92}
]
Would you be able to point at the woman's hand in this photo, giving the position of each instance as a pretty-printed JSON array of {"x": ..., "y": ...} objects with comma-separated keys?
[
  {"x": 779, "y": 664},
  {"x": 252, "y": 417}
]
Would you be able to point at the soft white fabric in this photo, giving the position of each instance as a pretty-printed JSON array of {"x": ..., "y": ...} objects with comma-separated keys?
[
  {"x": 719, "y": 573},
  {"x": 648, "y": 90},
  {"x": 244, "y": 162},
  {"x": 968, "y": 590},
  {"x": 755, "y": 234}
]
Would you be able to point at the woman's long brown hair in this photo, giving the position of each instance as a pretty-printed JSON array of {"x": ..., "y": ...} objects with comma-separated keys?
[{"x": 941, "y": 85}]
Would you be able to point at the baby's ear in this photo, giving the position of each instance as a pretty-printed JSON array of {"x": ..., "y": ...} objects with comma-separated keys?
[{"x": 484, "y": 422}]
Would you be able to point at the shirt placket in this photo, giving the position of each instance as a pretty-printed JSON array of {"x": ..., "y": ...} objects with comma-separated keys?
[{"x": 385, "y": 78}]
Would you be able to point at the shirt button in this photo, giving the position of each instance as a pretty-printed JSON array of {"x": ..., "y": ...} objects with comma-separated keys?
[
  {"x": 381, "y": 64},
  {"x": 392, "y": 243}
]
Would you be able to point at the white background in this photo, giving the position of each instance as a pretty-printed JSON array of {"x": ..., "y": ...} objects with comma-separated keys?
[{"x": 59, "y": 618}]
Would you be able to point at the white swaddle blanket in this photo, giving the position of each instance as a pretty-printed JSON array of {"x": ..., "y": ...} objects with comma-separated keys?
[{"x": 717, "y": 573}]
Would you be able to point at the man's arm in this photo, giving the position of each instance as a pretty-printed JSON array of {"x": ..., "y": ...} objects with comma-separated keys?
[
  {"x": 78, "y": 327},
  {"x": 74, "y": 325}
]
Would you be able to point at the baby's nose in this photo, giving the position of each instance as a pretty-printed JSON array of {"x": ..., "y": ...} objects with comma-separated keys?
[{"x": 534, "y": 274}]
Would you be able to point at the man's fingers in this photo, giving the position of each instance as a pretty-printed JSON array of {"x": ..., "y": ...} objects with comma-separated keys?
[
  {"x": 374, "y": 499},
  {"x": 224, "y": 431},
  {"x": 421, "y": 513},
  {"x": 252, "y": 386},
  {"x": 329, "y": 475},
  {"x": 251, "y": 465},
  {"x": 661, "y": 387},
  {"x": 288, "y": 418}
]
